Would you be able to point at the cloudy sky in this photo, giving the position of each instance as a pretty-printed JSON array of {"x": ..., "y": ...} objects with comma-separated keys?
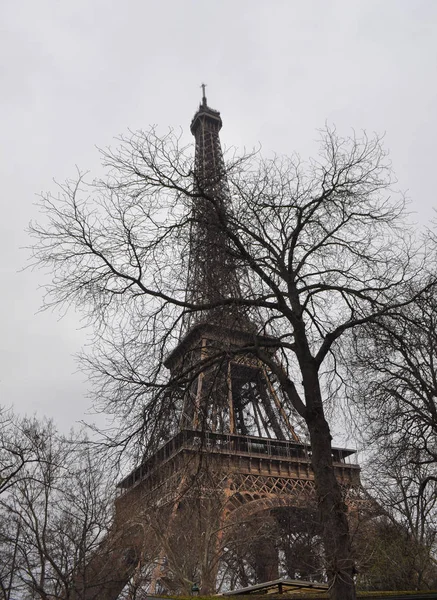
[{"x": 77, "y": 73}]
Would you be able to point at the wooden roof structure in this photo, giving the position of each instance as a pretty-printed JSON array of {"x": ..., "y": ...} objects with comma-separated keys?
[{"x": 279, "y": 586}]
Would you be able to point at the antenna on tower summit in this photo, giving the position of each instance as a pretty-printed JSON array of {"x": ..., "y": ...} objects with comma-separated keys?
[{"x": 203, "y": 86}]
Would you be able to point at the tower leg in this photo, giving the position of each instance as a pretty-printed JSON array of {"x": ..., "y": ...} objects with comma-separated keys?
[
  {"x": 109, "y": 570},
  {"x": 211, "y": 563},
  {"x": 161, "y": 570}
]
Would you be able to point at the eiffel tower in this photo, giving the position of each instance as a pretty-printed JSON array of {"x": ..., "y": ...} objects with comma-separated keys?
[{"x": 237, "y": 462}]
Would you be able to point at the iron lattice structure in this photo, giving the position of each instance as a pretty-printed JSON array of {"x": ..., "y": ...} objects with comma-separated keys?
[
  {"x": 196, "y": 502},
  {"x": 212, "y": 273}
]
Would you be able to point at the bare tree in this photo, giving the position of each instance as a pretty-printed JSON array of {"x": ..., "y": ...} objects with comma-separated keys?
[
  {"x": 57, "y": 514},
  {"x": 18, "y": 447},
  {"x": 397, "y": 355},
  {"x": 394, "y": 376},
  {"x": 320, "y": 248},
  {"x": 397, "y": 547}
]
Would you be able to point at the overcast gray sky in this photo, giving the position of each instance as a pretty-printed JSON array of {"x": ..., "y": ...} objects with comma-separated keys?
[{"x": 77, "y": 73}]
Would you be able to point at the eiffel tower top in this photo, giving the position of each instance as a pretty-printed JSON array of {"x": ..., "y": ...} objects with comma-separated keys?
[
  {"x": 206, "y": 115},
  {"x": 213, "y": 275}
]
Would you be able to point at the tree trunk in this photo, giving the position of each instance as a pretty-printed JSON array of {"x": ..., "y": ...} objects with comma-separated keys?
[
  {"x": 266, "y": 561},
  {"x": 332, "y": 508}
]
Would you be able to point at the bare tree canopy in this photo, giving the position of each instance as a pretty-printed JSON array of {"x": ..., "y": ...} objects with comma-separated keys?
[
  {"x": 54, "y": 516},
  {"x": 19, "y": 444},
  {"x": 393, "y": 382},
  {"x": 398, "y": 353},
  {"x": 320, "y": 248}
]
